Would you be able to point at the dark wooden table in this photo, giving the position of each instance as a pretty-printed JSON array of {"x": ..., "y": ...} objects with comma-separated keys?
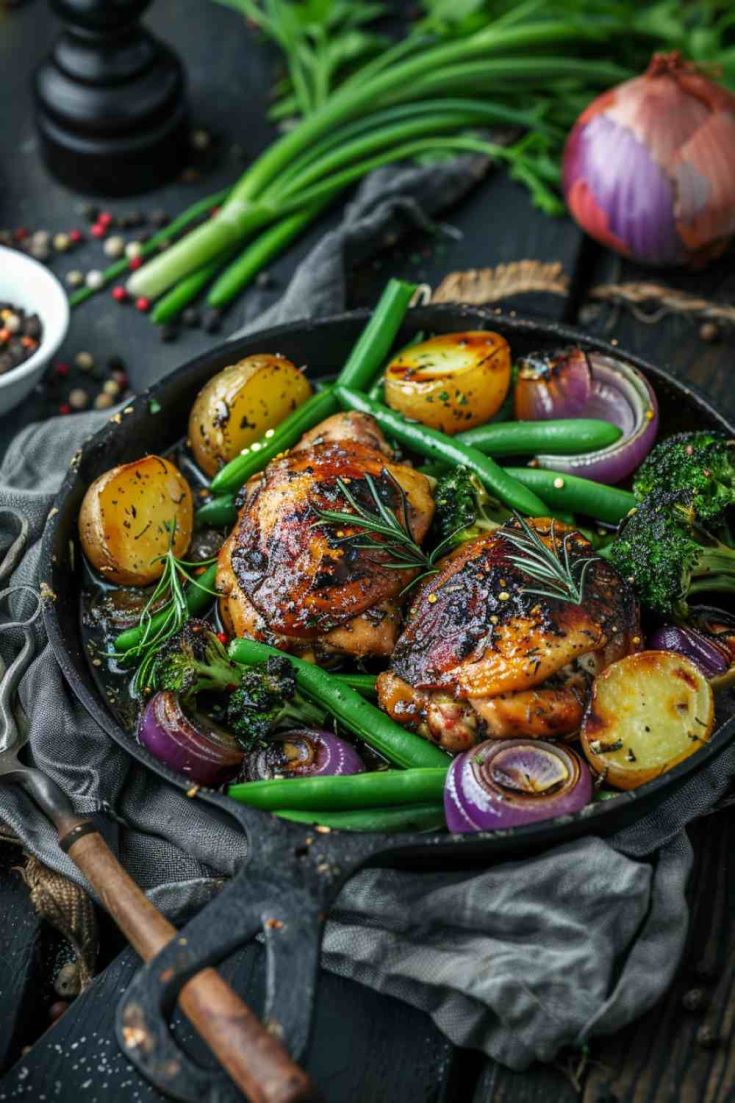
[{"x": 366, "y": 1048}]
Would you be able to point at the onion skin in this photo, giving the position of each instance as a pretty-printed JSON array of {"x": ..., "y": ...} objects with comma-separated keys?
[
  {"x": 617, "y": 393},
  {"x": 191, "y": 746},
  {"x": 508, "y": 783},
  {"x": 712, "y": 658},
  {"x": 548, "y": 383},
  {"x": 303, "y": 752},
  {"x": 649, "y": 166}
]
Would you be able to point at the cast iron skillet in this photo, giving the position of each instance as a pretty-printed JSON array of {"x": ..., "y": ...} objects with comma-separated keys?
[{"x": 293, "y": 872}]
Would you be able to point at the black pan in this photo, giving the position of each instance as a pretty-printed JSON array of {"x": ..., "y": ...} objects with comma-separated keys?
[{"x": 293, "y": 872}]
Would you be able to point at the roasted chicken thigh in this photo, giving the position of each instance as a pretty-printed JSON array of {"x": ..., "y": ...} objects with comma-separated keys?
[
  {"x": 483, "y": 656},
  {"x": 307, "y": 586}
]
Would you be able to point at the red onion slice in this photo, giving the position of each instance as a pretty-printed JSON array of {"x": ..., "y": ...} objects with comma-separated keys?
[
  {"x": 508, "y": 783},
  {"x": 303, "y": 752},
  {"x": 619, "y": 393},
  {"x": 712, "y": 658},
  {"x": 191, "y": 745},
  {"x": 553, "y": 385}
]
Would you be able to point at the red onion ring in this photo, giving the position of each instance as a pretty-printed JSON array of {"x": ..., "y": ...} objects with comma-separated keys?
[
  {"x": 191, "y": 745},
  {"x": 549, "y": 382},
  {"x": 508, "y": 783},
  {"x": 619, "y": 393},
  {"x": 712, "y": 657},
  {"x": 303, "y": 752}
]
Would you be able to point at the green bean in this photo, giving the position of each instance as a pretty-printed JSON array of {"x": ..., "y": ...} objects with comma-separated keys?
[
  {"x": 437, "y": 446},
  {"x": 373, "y": 726},
  {"x": 576, "y": 495},
  {"x": 345, "y": 792},
  {"x": 363, "y": 683},
  {"x": 219, "y": 513},
  {"x": 558, "y": 438},
  {"x": 367, "y": 356},
  {"x": 253, "y": 459},
  {"x": 376, "y": 339},
  {"x": 412, "y": 817},
  {"x": 198, "y": 597}
]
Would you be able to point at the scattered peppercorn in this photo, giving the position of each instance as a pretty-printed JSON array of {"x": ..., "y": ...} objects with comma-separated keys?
[
  {"x": 159, "y": 218},
  {"x": 119, "y": 294},
  {"x": 84, "y": 361},
  {"x": 78, "y": 398},
  {"x": 114, "y": 246},
  {"x": 94, "y": 279},
  {"x": 103, "y": 401},
  {"x": 191, "y": 317},
  {"x": 168, "y": 332},
  {"x": 75, "y": 278},
  {"x": 212, "y": 320},
  {"x": 696, "y": 999},
  {"x": 135, "y": 263},
  {"x": 709, "y": 332},
  {"x": 143, "y": 304},
  {"x": 708, "y": 1037}
]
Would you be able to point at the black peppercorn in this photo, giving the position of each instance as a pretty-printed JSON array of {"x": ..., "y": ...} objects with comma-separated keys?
[
  {"x": 168, "y": 332},
  {"x": 708, "y": 1037},
  {"x": 212, "y": 320},
  {"x": 191, "y": 317},
  {"x": 695, "y": 999}
]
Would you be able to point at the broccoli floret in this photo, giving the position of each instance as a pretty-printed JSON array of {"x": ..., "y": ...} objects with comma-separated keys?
[
  {"x": 463, "y": 508},
  {"x": 194, "y": 661},
  {"x": 666, "y": 554},
  {"x": 701, "y": 463},
  {"x": 260, "y": 698},
  {"x": 266, "y": 699}
]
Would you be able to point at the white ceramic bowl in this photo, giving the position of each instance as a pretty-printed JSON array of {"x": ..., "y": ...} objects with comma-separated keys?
[{"x": 26, "y": 283}]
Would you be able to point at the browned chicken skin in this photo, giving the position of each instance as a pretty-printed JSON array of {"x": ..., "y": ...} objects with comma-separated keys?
[
  {"x": 302, "y": 585},
  {"x": 480, "y": 657}
]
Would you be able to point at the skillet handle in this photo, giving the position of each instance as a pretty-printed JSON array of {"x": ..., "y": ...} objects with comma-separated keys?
[{"x": 254, "y": 1058}]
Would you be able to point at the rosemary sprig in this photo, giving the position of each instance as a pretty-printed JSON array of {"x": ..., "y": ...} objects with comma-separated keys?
[
  {"x": 559, "y": 577},
  {"x": 383, "y": 530},
  {"x": 168, "y": 598}
]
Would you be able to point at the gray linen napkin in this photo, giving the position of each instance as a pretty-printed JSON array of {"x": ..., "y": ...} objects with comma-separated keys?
[{"x": 517, "y": 960}]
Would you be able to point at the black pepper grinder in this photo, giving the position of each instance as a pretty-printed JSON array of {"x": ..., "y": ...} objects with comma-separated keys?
[{"x": 110, "y": 101}]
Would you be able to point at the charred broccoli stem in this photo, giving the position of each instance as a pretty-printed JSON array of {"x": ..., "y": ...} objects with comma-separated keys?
[
  {"x": 700, "y": 463},
  {"x": 663, "y": 550},
  {"x": 463, "y": 508},
  {"x": 259, "y": 699}
]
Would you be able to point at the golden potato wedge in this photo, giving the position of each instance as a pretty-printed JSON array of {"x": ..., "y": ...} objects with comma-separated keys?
[
  {"x": 452, "y": 382},
  {"x": 239, "y": 404},
  {"x": 128, "y": 516},
  {"x": 648, "y": 712}
]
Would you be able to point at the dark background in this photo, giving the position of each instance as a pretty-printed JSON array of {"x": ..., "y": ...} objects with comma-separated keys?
[{"x": 366, "y": 1048}]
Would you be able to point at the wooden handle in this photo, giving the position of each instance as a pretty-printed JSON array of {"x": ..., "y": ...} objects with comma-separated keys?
[{"x": 255, "y": 1060}]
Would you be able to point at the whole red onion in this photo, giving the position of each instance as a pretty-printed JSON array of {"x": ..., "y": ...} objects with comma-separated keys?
[{"x": 649, "y": 166}]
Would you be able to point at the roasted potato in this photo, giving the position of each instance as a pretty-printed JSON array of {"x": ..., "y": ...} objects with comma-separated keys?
[
  {"x": 452, "y": 382},
  {"x": 131, "y": 515},
  {"x": 648, "y": 712},
  {"x": 239, "y": 404}
]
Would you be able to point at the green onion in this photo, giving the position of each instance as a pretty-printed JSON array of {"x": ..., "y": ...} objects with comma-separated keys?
[
  {"x": 345, "y": 791},
  {"x": 399, "y": 746}
]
